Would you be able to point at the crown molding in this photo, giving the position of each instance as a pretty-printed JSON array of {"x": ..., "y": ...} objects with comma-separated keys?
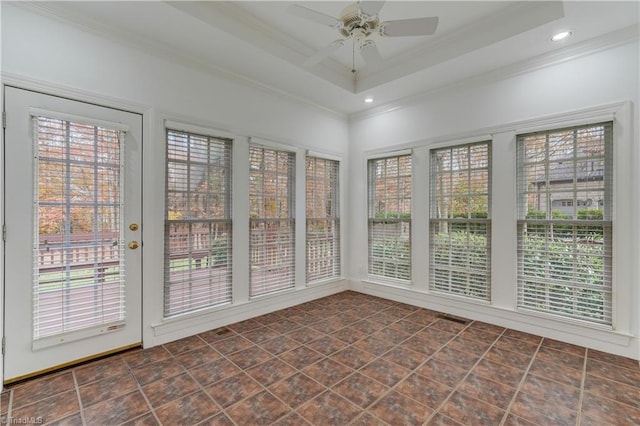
[
  {"x": 607, "y": 41},
  {"x": 68, "y": 16}
]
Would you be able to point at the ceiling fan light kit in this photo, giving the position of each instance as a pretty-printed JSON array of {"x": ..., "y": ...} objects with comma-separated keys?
[{"x": 359, "y": 22}]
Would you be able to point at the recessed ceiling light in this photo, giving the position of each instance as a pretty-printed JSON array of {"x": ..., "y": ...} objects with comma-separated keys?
[
  {"x": 561, "y": 35},
  {"x": 368, "y": 100}
]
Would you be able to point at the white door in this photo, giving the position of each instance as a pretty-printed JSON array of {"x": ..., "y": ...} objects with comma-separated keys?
[{"x": 72, "y": 215}]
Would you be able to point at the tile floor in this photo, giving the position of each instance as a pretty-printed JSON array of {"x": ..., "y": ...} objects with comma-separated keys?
[{"x": 345, "y": 359}]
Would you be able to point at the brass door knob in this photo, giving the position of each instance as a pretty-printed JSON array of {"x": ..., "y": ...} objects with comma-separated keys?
[{"x": 133, "y": 245}]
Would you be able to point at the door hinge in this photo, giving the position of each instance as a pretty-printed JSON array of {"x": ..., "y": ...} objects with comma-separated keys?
[
  {"x": 4, "y": 232},
  {"x": 4, "y": 119},
  {"x": 4, "y": 339}
]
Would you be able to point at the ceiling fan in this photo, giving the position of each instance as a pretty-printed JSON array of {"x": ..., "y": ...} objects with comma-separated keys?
[{"x": 359, "y": 22}]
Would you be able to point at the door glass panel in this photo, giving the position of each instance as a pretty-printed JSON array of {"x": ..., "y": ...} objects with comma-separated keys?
[{"x": 79, "y": 273}]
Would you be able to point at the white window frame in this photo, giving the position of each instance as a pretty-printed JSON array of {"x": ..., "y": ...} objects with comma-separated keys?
[
  {"x": 332, "y": 235},
  {"x": 466, "y": 269},
  {"x": 403, "y": 226},
  {"x": 207, "y": 260},
  {"x": 545, "y": 297}
]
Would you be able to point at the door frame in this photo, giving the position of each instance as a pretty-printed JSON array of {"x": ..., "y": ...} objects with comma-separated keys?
[{"x": 74, "y": 94}]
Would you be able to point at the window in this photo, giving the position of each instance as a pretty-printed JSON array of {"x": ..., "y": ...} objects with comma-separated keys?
[
  {"x": 272, "y": 224},
  {"x": 460, "y": 234},
  {"x": 197, "y": 260},
  {"x": 564, "y": 242},
  {"x": 390, "y": 217},
  {"x": 323, "y": 222}
]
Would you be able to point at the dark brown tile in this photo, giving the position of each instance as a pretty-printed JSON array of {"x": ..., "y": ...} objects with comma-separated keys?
[
  {"x": 218, "y": 420},
  {"x": 271, "y": 371},
  {"x": 217, "y": 334},
  {"x": 423, "y": 390},
  {"x": 442, "y": 420},
  {"x": 520, "y": 335},
  {"x": 486, "y": 390},
  {"x": 145, "y": 420},
  {"x": 385, "y": 372},
  {"x": 620, "y": 361},
  {"x": 37, "y": 389},
  {"x": 420, "y": 345},
  {"x": 197, "y": 357},
  {"x": 460, "y": 359},
  {"x": 373, "y": 345},
  {"x": 564, "y": 347},
  {"x": 397, "y": 409},
  {"x": 565, "y": 359},
  {"x": 367, "y": 419},
  {"x": 360, "y": 389},
  {"x": 406, "y": 326},
  {"x": 143, "y": 357},
  {"x": 184, "y": 345},
  {"x": 279, "y": 345},
  {"x": 296, "y": 390},
  {"x": 446, "y": 325},
  {"x": 487, "y": 328},
  {"x": 405, "y": 357},
  {"x": 55, "y": 407},
  {"x": 247, "y": 325},
  {"x": 480, "y": 335},
  {"x": 249, "y": 357},
  {"x": 117, "y": 410},
  {"x": 214, "y": 371},
  {"x": 304, "y": 335},
  {"x": 385, "y": 318},
  {"x": 188, "y": 410},
  {"x": 462, "y": 344},
  {"x": 284, "y": 326},
  {"x": 603, "y": 388},
  {"x": 292, "y": 419},
  {"x": 509, "y": 358},
  {"x": 327, "y": 326},
  {"x": 391, "y": 335},
  {"x": 106, "y": 389},
  {"x": 99, "y": 370},
  {"x": 261, "y": 334},
  {"x": 162, "y": 391},
  {"x": 468, "y": 410},
  {"x": 609, "y": 371},
  {"x": 441, "y": 372},
  {"x": 559, "y": 393},
  {"x": 517, "y": 421},
  {"x": 260, "y": 409},
  {"x": 516, "y": 345},
  {"x": 367, "y": 326},
  {"x": 423, "y": 317},
  {"x": 233, "y": 389},
  {"x": 549, "y": 370},
  {"x": 499, "y": 373},
  {"x": 327, "y": 345},
  {"x": 157, "y": 371},
  {"x": 327, "y": 371},
  {"x": 301, "y": 357},
  {"x": 541, "y": 411},
  {"x": 600, "y": 411},
  {"x": 436, "y": 335},
  {"x": 232, "y": 344},
  {"x": 329, "y": 409},
  {"x": 72, "y": 420},
  {"x": 349, "y": 335}
]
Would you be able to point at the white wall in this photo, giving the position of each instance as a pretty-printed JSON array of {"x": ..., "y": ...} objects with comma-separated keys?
[
  {"x": 45, "y": 54},
  {"x": 497, "y": 109}
]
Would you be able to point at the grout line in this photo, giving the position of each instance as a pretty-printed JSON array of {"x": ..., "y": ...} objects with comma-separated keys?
[
  {"x": 584, "y": 379},
  {"x": 77, "y": 389},
  {"x": 524, "y": 377}
]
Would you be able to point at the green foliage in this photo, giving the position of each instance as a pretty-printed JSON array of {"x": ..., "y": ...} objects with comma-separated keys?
[
  {"x": 392, "y": 215},
  {"x": 590, "y": 214},
  {"x": 391, "y": 259}
]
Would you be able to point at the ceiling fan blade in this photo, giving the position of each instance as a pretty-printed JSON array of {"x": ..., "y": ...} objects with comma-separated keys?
[
  {"x": 371, "y": 7},
  {"x": 370, "y": 53},
  {"x": 409, "y": 27},
  {"x": 313, "y": 15},
  {"x": 317, "y": 57}
]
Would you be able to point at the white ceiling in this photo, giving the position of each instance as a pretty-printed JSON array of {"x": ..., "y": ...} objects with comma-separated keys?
[{"x": 261, "y": 43}]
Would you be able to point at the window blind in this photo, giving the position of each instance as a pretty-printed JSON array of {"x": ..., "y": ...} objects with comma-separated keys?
[
  {"x": 271, "y": 217},
  {"x": 198, "y": 227},
  {"x": 564, "y": 222},
  {"x": 79, "y": 263},
  {"x": 460, "y": 227},
  {"x": 323, "y": 223},
  {"x": 390, "y": 217}
]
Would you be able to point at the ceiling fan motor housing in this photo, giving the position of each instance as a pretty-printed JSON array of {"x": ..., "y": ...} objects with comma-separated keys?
[{"x": 354, "y": 19}]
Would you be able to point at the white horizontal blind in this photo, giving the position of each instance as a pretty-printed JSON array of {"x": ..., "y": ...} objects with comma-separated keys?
[
  {"x": 460, "y": 237},
  {"x": 79, "y": 270},
  {"x": 564, "y": 222},
  {"x": 323, "y": 223},
  {"x": 390, "y": 217},
  {"x": 198, "y": 228},
  {"x": 272, "y": 225}
]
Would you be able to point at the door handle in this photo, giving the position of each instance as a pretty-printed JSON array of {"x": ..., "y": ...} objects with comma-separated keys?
[{"x": 133, "y": 245}]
